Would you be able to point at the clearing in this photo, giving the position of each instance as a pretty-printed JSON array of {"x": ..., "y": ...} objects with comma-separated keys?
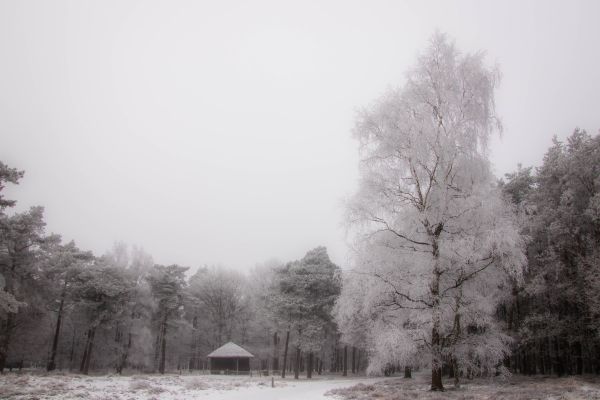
[
  {"x": 40, "y": 386},
  {"x": 33, "y": 386}
]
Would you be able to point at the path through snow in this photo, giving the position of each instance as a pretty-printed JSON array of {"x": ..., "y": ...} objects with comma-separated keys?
[{"x": 293, "y": 390}]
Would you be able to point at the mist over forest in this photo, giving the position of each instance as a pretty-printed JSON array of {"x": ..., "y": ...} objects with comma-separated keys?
[{"x": 456, "y": 280}]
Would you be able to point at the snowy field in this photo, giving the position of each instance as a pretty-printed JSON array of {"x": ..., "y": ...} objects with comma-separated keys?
[
  {"x": 514, "y": 388},
  {"x": 179, "y": 387},
  {"x": 169, "y": 387}
]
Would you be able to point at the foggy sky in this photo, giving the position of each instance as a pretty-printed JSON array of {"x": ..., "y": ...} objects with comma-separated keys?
[{"x": 219, "y": 132}]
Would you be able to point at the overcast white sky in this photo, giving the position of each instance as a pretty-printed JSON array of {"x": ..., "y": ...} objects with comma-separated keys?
[{"x": 219, "y": 132}]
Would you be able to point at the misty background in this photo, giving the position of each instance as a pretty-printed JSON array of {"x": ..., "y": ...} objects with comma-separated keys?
[{"x": 220, "y": 132}]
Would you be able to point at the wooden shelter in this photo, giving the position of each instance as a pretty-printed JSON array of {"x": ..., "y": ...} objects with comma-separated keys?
[{"x": 230, "y": 359}]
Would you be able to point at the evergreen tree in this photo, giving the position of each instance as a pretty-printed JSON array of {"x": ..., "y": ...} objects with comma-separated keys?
[{"x": 167, "y": 284}]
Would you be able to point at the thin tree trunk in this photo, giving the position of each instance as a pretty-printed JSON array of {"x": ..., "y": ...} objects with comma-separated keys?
[
  {"x": 125, "y": 355},
  {"x": 85, "y": 351},
  {"x": 275, "y": 365},
  {"x": 345, "y": 361},
  {"x": 285, "y": 353},
  {"x": 86, "y": 366},
  {"x": 333, "y": 360},
  {"x": 163, "y": 347},
  {"x": 192, "y": 362},
  {"x": 157, "y": 348},
  {"x": 559, "y": 360},
  {"x": 579, "y": 358},
  {"x": 52, "y": 362},
  {"x": 456, "y": 372},
  {"x": 72, "y": 354},
  {"x": 353, "y": 359},
  {"x": 297, "y": 363},
  {"x": 6, "y": 341}
]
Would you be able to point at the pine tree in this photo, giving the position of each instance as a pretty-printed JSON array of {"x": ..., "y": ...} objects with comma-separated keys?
[{"x": 167, "y": 285}]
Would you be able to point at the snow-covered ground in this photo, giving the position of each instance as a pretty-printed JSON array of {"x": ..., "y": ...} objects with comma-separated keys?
[
  {"x": 179, "y": 387},
  {"x": 513, "y": 388},
  {"x": 168, "y": 387}
]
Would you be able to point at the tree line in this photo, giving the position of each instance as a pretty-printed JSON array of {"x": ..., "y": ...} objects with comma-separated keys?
[
  {"x": 62, "y": 307},
  {"x": 554, "y": 314}
]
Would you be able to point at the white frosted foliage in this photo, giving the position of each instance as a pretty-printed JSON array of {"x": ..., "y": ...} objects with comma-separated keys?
[{"x": 436, "y": 245}]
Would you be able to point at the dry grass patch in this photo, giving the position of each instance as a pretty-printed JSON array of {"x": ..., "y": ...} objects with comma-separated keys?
[{"x": 515, "y": 388}]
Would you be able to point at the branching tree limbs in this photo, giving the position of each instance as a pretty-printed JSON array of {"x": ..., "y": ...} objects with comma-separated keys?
[{"x": 426, "y": 181}]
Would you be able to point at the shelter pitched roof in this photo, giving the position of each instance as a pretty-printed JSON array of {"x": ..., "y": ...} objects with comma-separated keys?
[{"x": 230, "y": 350}]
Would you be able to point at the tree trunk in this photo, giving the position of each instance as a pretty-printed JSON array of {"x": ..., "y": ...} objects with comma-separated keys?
[
  {"x": 157, "y": 348},
  {"x": 52, "y": 362},
  {"x": 353, "y": 359},
  {"x": 559, "y": 360},
  {"x": 72, "y": 354},
  {"x": 163, "y": 347},
  {"x": 85, "y": 351},
  {"x": 436, "y": 356},
  {"x": 456, "y": 373},
  {"x": 275, "y": 364},
  {"x": 90, "y": 346},
  {"x": 6, "y": 341},
  {"x": 309, "y": 368},
  {"x": 436, "y": 350},
  {"x": 345, "y": 361},
  {"x": 297, "y": 363},
  {"x": 193, "y": 363},
  {"x": 579, "y": 357},
  {"x": 124, "y": 356},
  {"x": 285, "y": 353}
]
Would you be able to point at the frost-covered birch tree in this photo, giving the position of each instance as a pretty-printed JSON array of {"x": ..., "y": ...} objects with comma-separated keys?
[{"x": 435, "y": 241}]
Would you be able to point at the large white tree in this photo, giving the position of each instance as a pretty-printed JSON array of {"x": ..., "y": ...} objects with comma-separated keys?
[{"x": 435, "y": 242}]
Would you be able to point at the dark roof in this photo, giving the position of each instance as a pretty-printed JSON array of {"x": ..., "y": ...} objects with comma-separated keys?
[{"x": 230, "y": 350}]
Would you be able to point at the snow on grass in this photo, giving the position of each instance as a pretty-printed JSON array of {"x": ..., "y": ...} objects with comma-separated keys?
[
  {"x": 514, "y": 388},
  {"x": 30, "y": 386},
  {"x": 150, "y": 387},
  {"x": 42, "y": 386}
]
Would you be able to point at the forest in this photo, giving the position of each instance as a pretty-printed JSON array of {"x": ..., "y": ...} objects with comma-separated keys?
[{"x": 455, "y": 271}]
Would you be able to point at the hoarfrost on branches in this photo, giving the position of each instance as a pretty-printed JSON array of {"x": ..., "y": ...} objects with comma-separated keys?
[{"x": 435, "y": 241}]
